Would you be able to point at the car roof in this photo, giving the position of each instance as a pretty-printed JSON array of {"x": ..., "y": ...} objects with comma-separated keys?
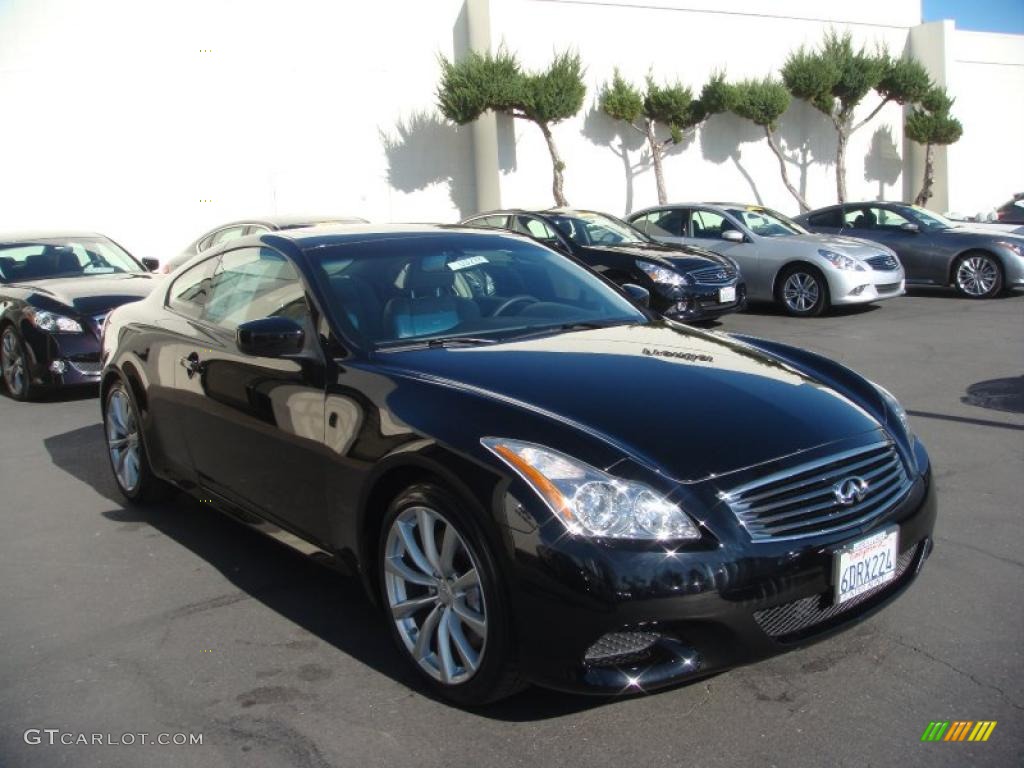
[
  {"x": 315, "y": 237},
  {"x": 291, "y": 220},
  {"x": 537, "y": 212},
  {"x": 45, "y": 234}
]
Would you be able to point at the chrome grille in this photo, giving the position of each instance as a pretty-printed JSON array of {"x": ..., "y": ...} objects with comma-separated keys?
[
  {"x": 884, "y": 262},
  {"x": 887, "y": 287},
  {"x": 803, "y": 501},
  {"x": 714, "y": 275},
  {"x": 792, "y": 618},
  {"x": 86, "y": 367}
]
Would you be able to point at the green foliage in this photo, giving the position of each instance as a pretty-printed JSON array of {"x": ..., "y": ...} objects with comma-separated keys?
[
  {"x": 482, "y": 82},
  {"x": 673, "y": 106},
  {"x": 835, "y": 78},
  {"x": 716, "y": 96},
  {"x": 620, "y": 100},
  {"x": 811, "y": 77},
  {"x": 904, "y": 81},
  {"x": 931, "y": 123},
  {"x": 478, "y": 83},
  {"x": 761, "y": 101},
  {"x": 556, "y": 93}
]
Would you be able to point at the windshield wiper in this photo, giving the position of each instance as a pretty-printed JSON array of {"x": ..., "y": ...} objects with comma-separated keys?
[{"x": 446, "y": 341}]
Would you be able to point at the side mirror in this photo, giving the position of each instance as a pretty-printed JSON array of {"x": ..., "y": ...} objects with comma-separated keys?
[
  {"x": 909, "y": 226},
  {"x": 152, "y": 265},
  {"x": 733, "y": 236},
  {"x": 270, "y": 337},
  {"x": 637, "y": 293}
]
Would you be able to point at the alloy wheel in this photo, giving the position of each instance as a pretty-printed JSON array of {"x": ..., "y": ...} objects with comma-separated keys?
[
  {"x": 977, "y": 276},
  {"x": 123, "y": 440},
  {"x": 800, "y": 291},
  {"x": 13, "y": 362},
  {"x": 435, "y": 595}
]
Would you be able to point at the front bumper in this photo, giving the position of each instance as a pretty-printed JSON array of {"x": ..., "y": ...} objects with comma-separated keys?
[
  {"x": 700, "y": 302},
  {"x": 710, "y": 609},
  {"x": 64, "y": 359},
  {"x": 850, "y": 287}
]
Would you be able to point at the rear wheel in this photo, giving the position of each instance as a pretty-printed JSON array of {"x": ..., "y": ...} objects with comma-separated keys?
[
  {"x": 977, "y": 276},
  {"x": 802, "y": 291},
  {"x": 446, "y": 611},
  {"x": 14, "y": 365},
  {"x": 126, "y": 450}
]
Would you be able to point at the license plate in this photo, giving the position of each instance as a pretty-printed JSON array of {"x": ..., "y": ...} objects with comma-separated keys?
[
  {"x": 727, "y": 295},
  {"x": 865, "y": 564}
]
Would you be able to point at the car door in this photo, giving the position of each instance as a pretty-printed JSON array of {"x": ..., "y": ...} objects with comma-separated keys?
[
  {"x": 255, "y": 426},
  {"x": 884, "y": 225},
  {"x": 706, "y": 229},
  {"x": 828, "y": 222},
  {"x": 666, "y": 225}
]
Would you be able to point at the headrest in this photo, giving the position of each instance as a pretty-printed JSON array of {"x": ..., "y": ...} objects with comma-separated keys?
[{"x": 429, "y": 276}]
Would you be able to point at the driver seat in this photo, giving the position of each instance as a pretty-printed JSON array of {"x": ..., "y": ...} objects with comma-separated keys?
[{"x": 431, "y": 305}]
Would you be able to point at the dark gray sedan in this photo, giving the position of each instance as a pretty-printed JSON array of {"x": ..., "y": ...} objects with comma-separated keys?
[{"x": 979, "y": 263}]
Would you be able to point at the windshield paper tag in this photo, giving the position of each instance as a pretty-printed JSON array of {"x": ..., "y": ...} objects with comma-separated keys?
[{"x": 472, "y": 261}]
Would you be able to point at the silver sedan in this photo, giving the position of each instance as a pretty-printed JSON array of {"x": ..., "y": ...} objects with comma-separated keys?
[{"x": 780, "y": 260}]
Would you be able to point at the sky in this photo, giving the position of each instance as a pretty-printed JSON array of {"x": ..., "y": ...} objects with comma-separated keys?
[{"x": 979, "y": 15}]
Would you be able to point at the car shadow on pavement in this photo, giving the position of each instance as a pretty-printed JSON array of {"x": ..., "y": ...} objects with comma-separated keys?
[
  {"x": 330, "y": 605},
  {"x": 772, "y": 309},
  {"x": 63, "y": 395}
]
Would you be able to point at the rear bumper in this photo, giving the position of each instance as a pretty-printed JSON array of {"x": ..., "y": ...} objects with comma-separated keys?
[{"x": 709, "y": 610}]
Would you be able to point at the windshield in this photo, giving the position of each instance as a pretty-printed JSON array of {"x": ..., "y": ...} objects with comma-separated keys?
[
  {"x": 414, "y": 288},
  {"x": 63, "y": 257},
  {"x": 596, "y": 229},
  {"x": 930, "y": 220},
  {"x": 766, "y": 223}
]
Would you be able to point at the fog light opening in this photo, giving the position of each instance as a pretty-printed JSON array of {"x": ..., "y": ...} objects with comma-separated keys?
[
  {"x": 858, "y": 290},
  {"x": 617, "y": 649},
  {"x": 58, "y": 367}
]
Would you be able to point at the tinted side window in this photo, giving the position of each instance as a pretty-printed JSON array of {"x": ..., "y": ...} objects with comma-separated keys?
[
  {"x": 709, "y": 225},
  {"x": 191, "y": 289},
  {"x": 665, "y": 223},
  {"x": 491, "y": 222},
  {"x": 535, "y": 228},
  {"x": 252, "y": 283},
  {"x": 873, "y": 217},
  {"x": 832, "y": 218},
  {"x": 227, "y": 235}
]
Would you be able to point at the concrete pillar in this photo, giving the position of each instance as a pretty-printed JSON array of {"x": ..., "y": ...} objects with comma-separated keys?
[
  {"x": 932, "y": 45},
  {"x": 485, "y": 129}
]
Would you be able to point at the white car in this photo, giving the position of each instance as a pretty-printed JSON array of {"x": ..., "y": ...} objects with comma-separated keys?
[{"x": 780, "y": 260}]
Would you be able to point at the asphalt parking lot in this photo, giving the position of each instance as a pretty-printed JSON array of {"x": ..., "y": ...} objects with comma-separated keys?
[{"x": 174, "y": 619}]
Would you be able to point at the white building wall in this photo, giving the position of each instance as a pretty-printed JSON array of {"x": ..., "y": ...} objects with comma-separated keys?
[{"x": 152, "y": 122}]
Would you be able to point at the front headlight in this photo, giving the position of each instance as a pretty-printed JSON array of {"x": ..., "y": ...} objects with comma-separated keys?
[
  {"x": 590, "y": 502},
  {"x": 52, "y": 322},
  {"x": 1015, "y": 247},
  {"x": 663, "y": 275},
  {"x": 842, "y": 261},
  {"x": 895, "y": 407}
]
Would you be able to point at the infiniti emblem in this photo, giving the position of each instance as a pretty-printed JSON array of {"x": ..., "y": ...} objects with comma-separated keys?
[{"x": 850, "y": 490}]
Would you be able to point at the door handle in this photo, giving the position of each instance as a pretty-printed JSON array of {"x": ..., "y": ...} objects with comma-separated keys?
[{"x": 191, "y": 364}]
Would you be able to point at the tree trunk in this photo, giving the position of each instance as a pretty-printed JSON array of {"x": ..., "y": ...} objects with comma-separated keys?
[
  {"x": 929, "y": 175},
  {"x": 557, "y": 166},
  {"x": 804, "y": 207},
  {"x": 656, "y": 160},
  {"x": 841, "y": 163}
]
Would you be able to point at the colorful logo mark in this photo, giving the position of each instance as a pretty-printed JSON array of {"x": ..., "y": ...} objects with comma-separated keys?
[{"x": 958, "y": 730}]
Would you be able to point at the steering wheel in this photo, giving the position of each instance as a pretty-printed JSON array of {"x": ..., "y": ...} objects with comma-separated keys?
[{"x": 513, "y": 301}]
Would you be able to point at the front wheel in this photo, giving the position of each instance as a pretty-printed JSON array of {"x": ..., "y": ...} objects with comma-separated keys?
[
  {"x": 802, "y": 291},
  {"x": 14, "y": 365},
  {"x": 127, "y": 452},
  {"x": 977, "y": 276},
  {"x": 446, "y": 611}
]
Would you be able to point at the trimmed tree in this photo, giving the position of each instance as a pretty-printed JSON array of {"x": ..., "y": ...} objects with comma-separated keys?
[
  {"x": 669, "y": 107},
  {"x": 835, "y": 79},
  {"x": 931, "y": 124},
  {"x": 482, "y": 82},
  {"x": 763, "y": 102}
]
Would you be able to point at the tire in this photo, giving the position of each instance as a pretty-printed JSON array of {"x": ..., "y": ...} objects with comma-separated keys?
[
  {"x": 14, "y": 366},
  {"x": 978, "y": 275},
  {"x": 447, "y": 583},
  {"x": 802, "y": 291},
  {"x": 126, "y": 448}
]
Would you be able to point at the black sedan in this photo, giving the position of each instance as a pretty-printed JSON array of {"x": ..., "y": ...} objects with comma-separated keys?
[
  {"x": 978, "y": 262},
  {"x": 686, "y": 283},
  {"x": 55, "y": 292},
  {"x": 568, "y": 490}
]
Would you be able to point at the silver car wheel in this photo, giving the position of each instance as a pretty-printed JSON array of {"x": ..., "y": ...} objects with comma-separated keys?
[
  {"x": 123, "y": 440},
  {"x": 435, "y": 595},
  {"x": 977, "y": 275},
  {"x": 13, "y": 363},
  {"x": 800, "y": 291}
]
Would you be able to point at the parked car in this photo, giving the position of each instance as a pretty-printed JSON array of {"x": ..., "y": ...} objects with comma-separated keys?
[
  {"x": 1012, "y": 211},
  {"x": 55, "y": 292},
  {"x": 685, "y": 283},
  {"x": 570, "y": 490},
  {"x": 978, "y": 262},
  {"x": 780, "y": 260},
  {"x": 233, "y": 230}
]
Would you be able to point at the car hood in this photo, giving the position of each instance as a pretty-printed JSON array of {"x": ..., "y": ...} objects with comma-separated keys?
[
  {"x": 848, "y": 246},
  {"x": 688, "y": 404},
  {"x": 683, "y": 257},
  {"x": 90, "y": 295}
]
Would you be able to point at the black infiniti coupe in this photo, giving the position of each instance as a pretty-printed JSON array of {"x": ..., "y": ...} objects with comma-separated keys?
[
  {"x": 564, "y": 489},
  {"x": 55, "y": 292},
  {"x": 686, "y": 283}
]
